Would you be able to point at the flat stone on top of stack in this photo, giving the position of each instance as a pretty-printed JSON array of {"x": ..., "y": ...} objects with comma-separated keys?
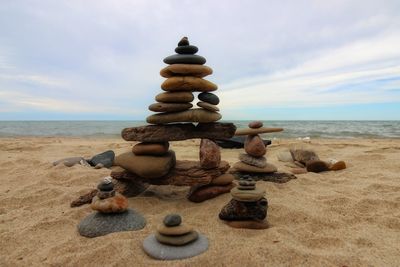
[
  {"x": 174, "y": 240},
  {"x": 184, "y": 75}
]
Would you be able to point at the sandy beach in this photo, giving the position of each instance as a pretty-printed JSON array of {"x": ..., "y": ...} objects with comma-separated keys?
[{"x": 344, "y": 218}]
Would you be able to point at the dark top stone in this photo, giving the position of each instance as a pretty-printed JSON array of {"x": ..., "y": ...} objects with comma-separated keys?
[
  {"x": 172, "y": 220},
  {"x": 184, "y": 41},
  {"x": 106, "y": 158},
  {"x": 187, "y": 50},
  {"x": 105, "y": 186},
  {"x": 185, "y": 59},
  {"x": 209, "y": 98}
]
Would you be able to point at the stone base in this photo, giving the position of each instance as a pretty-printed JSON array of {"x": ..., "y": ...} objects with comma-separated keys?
[{"x": 159, "y": 251}]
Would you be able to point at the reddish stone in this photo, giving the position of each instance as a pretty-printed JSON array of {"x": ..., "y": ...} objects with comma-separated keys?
[
  {"x": 210, "y": 155},
  {"x": 202, "y": 193},
  {"x": 254, "y": 146},
  {"x": 255, "y": 124},
  {"x": 317, "y": 166}
]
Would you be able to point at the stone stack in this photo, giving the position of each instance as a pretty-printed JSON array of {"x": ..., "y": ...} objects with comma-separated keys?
[
  {"x": 247, "y": 208},
  {"x": 185, "y": 75},
  {"x": 151, "y": 161},
  {"x": 254, "y": 160},
  {"x": 112, "y": 213},
  {"x": 175, "y": 240}
]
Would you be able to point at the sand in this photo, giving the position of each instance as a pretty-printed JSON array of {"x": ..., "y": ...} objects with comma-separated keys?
[{"x": 344, "y": 218}]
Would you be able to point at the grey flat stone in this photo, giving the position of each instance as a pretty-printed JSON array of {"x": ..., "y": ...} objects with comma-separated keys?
[
  {"x": 106, "y": 158},
  {"x": 99, "y": 224},
  {"x": 160, "y": 251}
]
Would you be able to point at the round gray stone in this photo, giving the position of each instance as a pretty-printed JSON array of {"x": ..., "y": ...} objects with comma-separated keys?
[
  {"x": 185, "y": 59},
  {"x": 172, "y": 220},
  {"x": 160, "y": 251},
  {"x": 186, "y": 50},
  {"x": 106, "y": 158},
  {"x": 209, "y": 98},
  {"x": 99, "y": 224}
]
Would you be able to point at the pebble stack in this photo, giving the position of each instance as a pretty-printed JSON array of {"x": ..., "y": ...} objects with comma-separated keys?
[
  {"x": 111, "y": 213},
  {"x": 247, "y": 208},
  {"x": 254, "y": 160},
  {"x": 175, "y": 240},
  {"x": 185, "y": 75},
  {"x": 151, "y": 160}
]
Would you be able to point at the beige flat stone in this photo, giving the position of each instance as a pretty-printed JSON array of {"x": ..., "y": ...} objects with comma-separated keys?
[
  {"x": 224, "y": 179},
  {"x": 186, "y": 70},
  {"x": 243, "y": 167},
  {"x": 247, "y": 195},
  {"x": 188, "y": 83},
  {"x": 146, "y": 166},
  {"x": 169, "y": 107},
  {"x": 208, "y": 106},
  {"x": 175, "y": 97},
  {"x": 179, "y": 240},
  {"x": 191, "y": 115},
  {"x": 174, "y": 230},
  {"x": 261, "y": 130}
]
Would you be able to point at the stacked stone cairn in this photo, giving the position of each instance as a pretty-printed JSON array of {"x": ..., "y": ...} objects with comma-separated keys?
[
  {"x": 253, "y": 163},
  {"x": 111, "y": 213},
  {"x": 175, "y": 240},
  {"x": 247, "y": 208},
  {"x": 151, "y": 161}
]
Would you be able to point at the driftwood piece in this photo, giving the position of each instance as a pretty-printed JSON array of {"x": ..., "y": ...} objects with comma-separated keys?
[
  {"x": 275, "y": 177},
  {"x": 127, "y": 188},
  {"x": 179, "y": 131},
  {"x": 185, "y": 173}
]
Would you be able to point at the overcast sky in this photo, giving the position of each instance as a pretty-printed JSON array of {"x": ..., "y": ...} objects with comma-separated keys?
[{"x": 271, "y": 59}]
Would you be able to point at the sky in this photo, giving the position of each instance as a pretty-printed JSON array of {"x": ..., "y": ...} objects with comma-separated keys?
[{"x": 272, "y": 60}]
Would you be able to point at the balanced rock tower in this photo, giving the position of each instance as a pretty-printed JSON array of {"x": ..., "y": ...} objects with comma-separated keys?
[{"x": 151, "y": 161}]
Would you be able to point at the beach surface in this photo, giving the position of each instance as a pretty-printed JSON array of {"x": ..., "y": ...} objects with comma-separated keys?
[{"x": 344, "y": 218}]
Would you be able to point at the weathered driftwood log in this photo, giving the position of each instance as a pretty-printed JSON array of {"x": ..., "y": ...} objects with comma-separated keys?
[
  {"x": 179, "y": 131},
  {"x": 185, "y": 173}
]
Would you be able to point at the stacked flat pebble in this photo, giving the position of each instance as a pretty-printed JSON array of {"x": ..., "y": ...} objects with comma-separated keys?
[
  {"x": 254, "y": 160},
  {"x": 112, "y": 213},
  {"x": 185, "y": 75},
  {"x": 174, "y": 240},
  {"x": 247, "y": 208}
]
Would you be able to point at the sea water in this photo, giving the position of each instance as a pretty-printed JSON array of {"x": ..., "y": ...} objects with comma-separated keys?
[{"x": 292, "y": 129}]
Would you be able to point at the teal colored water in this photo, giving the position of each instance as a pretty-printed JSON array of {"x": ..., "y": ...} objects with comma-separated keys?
[{"x": 293, "y": 129}]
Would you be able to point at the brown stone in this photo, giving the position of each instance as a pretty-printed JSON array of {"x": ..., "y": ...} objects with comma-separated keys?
[
  {"x": 169, "y": 107},
  {"x": 155, "y": 149},
  {"x": 239, "y": 210},
  {"x": 146, "y": 166},
  {"x": 254, "y": 146},
  {"x": 174, "y": 230},
  {"x": 208, "y": 106},
  {"x": 115, "y": 204},
  {"x": 175, "y": 97},
  {"x": 259, "y": 162},
  {"x": 179, "y": 131},
  {"x": 188, "y": 83},
  {"x": 224, "y": 179},
  {"x": 243, "y": 167},
  {"x": 339, "y": 165},
  {"x": 317, "y": 166},
  {"x": 84, "y": 199},
  {"x": 247, "y": 195},
  {"x": 191, "y": 115},
  {"x": 249, "y": 131},
  {"x": 210, "y": 154},
  {"x": 248, "y": 224},
  {"x": 184, "y": 173},
  {"x": 186, "y": 70},
  {"x": 255, "y": 124},
  {"x": 177, "y": 240},
  {"x": 202, "y": 193}
]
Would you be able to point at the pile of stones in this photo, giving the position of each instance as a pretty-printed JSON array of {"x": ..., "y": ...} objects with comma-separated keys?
[
  {"x": 111, "y": 213},
  {"x": 175, "y": 240},
  {"x": 247, "y": 208},
  {"x": 151, "y": 161},
  {"x": 253, "y": 163}
]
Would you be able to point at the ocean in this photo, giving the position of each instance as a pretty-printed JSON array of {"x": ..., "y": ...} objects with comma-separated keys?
[{"x": 292, "y": 129}]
